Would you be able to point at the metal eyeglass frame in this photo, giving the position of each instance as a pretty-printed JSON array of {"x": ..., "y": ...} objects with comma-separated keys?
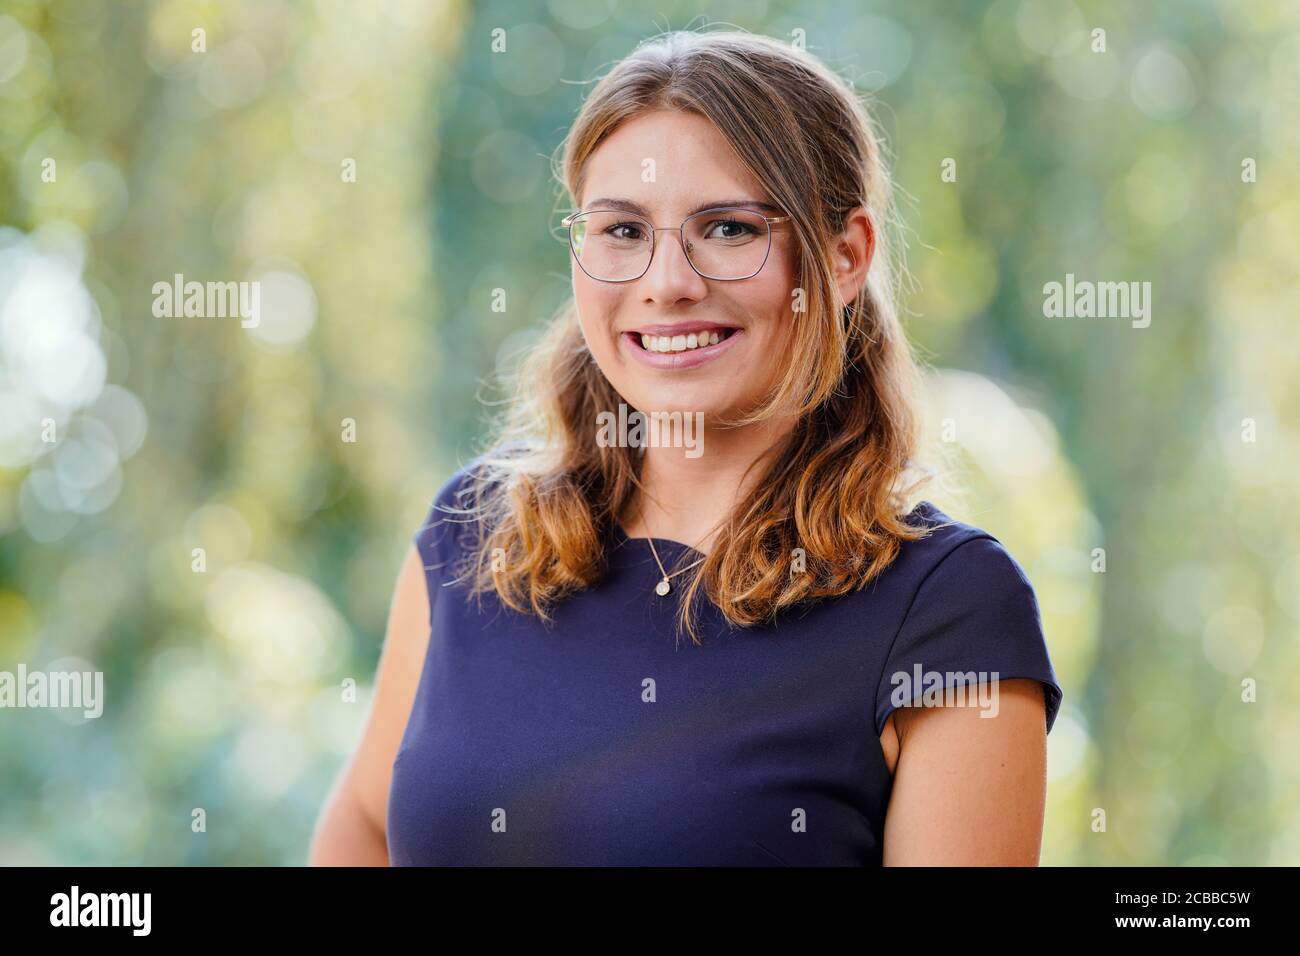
[{"x": 568, "y": 220}]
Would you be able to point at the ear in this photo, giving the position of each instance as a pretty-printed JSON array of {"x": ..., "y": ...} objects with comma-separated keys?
[{"x": 853, "y": 250}]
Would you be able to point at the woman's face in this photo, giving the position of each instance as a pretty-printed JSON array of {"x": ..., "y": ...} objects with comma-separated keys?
[{"x": 691, "y": 166}]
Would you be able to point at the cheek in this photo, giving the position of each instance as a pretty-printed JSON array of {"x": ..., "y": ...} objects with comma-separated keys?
[
  {"x": 774, "y": 296},
  {"x": 772, "y": 306},
  {"x": 597, "y": 308}
]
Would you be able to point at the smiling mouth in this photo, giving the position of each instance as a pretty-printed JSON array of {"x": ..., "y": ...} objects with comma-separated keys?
[{"x": 681, "y": 343}]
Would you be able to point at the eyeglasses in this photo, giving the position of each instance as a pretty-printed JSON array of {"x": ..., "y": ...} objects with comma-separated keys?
[{"x": 726, "y": 243}]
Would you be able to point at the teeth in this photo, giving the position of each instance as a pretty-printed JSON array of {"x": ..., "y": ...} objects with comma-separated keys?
[{"x": 680, "y": 343}]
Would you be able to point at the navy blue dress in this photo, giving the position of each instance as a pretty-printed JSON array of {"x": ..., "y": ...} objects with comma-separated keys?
[{"x": 603, "y": 740}]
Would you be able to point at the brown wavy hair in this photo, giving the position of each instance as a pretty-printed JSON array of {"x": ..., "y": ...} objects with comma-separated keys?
[{"x": 547, "y": 495}]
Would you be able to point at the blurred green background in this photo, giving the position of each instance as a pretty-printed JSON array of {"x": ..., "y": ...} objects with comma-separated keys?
[{"x": 1168, "y": 446}]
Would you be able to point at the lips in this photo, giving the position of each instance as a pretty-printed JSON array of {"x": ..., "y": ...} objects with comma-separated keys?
[{"x": 668, "y": 348}]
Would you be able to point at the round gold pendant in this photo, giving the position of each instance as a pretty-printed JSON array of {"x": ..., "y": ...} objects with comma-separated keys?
[{"x": 663, "y": 587}]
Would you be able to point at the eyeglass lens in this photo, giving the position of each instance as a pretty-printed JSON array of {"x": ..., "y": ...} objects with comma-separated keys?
[{"x": 616, "y": 246}]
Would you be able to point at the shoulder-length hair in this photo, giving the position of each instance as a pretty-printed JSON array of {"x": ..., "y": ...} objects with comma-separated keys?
[{"x": 829, "y": 513}]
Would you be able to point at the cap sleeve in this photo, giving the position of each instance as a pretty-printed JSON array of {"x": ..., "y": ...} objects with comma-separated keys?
[{"x": 974, "y": 611}]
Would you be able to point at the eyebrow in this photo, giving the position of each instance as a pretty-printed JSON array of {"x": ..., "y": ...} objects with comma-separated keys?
[{"x": 629, "y": 206}]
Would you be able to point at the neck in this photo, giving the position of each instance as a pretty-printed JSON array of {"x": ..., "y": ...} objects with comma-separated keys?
[{"x": 688, "y": 499}]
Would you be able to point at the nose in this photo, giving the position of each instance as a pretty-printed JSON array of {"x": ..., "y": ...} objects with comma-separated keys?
[{"x": 671, "y": 276}]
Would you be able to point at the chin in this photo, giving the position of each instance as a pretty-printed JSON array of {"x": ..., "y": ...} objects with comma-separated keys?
[{"x": 697, "y": 397}]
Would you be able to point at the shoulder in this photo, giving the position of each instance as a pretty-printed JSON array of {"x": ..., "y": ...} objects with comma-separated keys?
[
  {"x": 961, "y": 554},
  {"x": 960, "y": 570},
  {"x": 455, "y": 515},
  {"x": 452, "y": 503}
]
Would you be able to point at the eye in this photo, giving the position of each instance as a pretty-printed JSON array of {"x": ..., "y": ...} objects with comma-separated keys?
[
  {"x": 625, "y": 230},
  {"x": 729, "y": 229}
]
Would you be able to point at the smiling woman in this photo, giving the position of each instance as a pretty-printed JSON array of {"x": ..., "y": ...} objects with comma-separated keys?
[{"x": 534, "y": 706}]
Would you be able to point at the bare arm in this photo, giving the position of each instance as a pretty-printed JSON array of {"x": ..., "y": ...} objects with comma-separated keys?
[
  {"x": 970, "y": 790},
  {"x": 351, "y": 830}
]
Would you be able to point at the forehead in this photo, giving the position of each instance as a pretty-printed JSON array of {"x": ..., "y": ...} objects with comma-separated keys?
[{"x": 669, "y": 162}]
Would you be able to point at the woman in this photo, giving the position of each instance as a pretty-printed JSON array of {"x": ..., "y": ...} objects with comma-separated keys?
[{"x": 536, "y": 704}]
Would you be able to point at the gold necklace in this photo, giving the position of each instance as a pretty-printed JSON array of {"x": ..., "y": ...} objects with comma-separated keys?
[{"x": 663, "y": 587}]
